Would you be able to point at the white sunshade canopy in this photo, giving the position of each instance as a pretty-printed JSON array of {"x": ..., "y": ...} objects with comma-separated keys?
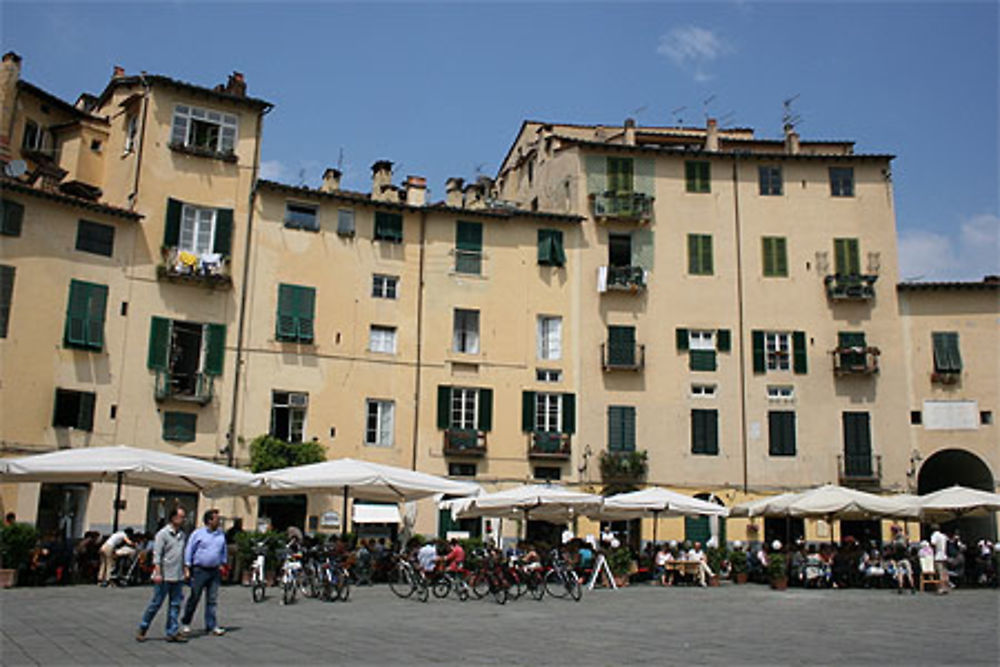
[
  {"x": 138, "y": 467},
  {"x": 828, "y": 501},
  {"x": 956, "y": 501},
  {"x": 769, "y": 506},
  {"x": 536, "y": 501},
  {"x": 660, "y": 502},
  {"x": 360, "y": 479}
]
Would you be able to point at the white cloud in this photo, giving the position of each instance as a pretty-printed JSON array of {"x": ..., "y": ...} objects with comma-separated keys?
[
  {"x": 692, "y": 49},
  {"x": 272, "y": 170},
  {"x": 971, "y": 254}
]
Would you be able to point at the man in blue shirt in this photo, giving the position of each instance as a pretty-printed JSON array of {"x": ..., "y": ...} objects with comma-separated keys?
[{"x": 205, "y": 553}]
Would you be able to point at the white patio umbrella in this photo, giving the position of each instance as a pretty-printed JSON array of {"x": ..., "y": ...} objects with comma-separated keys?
[
  {"x": 550, "y": 502},
  {"x": 121, "y": 465},
  {"x": 957, "y": 501},
  {"x": 769, "y": 506},
  {"x": 837, "y": 502},
  {"x": 657, "y": 502}
]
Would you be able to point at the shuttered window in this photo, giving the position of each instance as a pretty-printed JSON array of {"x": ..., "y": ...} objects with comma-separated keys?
[
  {"x": 846, "y": 257},
  {"x": 947, "y": 358},
  {"x": 770, "y": 351},
  {"x": 85, "y": 315},
  {"x": 295, "y": 315},
  {"x": 95, "y": 238},
  {"x": 621, "y": 428},
  {"x": 468, "y": 247},
  {"x": 770, "y": 180},
  {"x": 705, "y": 432},
  {"x": 74, "y": 409},
  {"x": 551, "y": 251},
  {"x": 465, "y": 408},
  {"x": 6, "y": 297},
  {"x": 857, "y": 444},
  {"x": 11, "y": 217},
  {"x": 775, "y": 256},
  {"x": 198, "y": 230},
  {"x": 700, "y": 254},
  {"x": 621, "y": 346},
  {"x": 698, "y": 176},
  {"x": 620, "y": 174},
  {"x": 852, "y": 345},
  {"x": 345, "y": 222},
  {"x": 388, "y": 227},
  {"x": 180, "y": 426},
  {"x": 781, "y": 432},
  {"x": 842, "y": 181}
]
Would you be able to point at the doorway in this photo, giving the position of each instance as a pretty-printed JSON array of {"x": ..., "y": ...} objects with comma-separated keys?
[
  {"x": 284, "y": 511},
  {"x": 161, "y": 503},
  {"x": 958, "y": 466},
  {"x": 62, "y": 509}
]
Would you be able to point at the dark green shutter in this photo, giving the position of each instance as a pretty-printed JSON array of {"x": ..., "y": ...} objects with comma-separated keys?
[
  {"x": 569, "y": 413},
  {"x": 388, "y": 227},
  {"x": 723, "y": 342},
  {"x": 285, "y": 320},
  {"x": 693, "y": 254},
  {"x": 759, "y": 352},
  {"x": 702, "y": 360},
  {"x": 11, "y": 217},
  {"x": 847, "y": 260},
  {"x": 620, "y": 175},
  {"x": 781, "y": 256},
  {"x": 444, "y": 407},
  {"x": 485, "y": 410},
  {"x": 469, "y": 236},
  {"x": 159, "y": 344},
  {"x": 799, "y": 356},
  {"x": 621, "y": 346},
  {"x": 947, "y": 357},
  {"x": 707, "y": 267},
  {"x": 545, "y": 247},
  {"x": 704, "y": 432},
  {"x": 781, "y": 433},
  {"x": 683, "y": 340},
  {"x": 85, "y": 315},
  {"x": 528, "y": 411},
  {"x": 215, "y": 349},
  {"x": 616, "y": 428},
  {"x": 223, "y": 231},
  {"x": 6, "y": 297},
  {"x": 97, "y": 303},
  {"x": 305, "y": 313},
  {"x": 85, "y": 419},
  {"x": 172, "y": 223},
  {"x": 180, "y": 426}
]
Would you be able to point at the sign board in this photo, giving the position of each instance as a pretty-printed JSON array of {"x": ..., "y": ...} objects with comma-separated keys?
[
  {"x": 329, "y": 519},
  {"x": 951, "y": 415}
]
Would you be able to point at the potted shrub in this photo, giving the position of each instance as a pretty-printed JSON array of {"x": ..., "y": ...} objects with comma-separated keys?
[
  {"x": 620, "y": 562},
  {"x": 16, "y": 542},
  {"x": 777, "y": 571},
  {"x": 738, "y": 563}
]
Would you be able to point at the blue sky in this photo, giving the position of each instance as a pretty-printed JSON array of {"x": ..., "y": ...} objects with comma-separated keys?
[{"x": 441, "y": 88}]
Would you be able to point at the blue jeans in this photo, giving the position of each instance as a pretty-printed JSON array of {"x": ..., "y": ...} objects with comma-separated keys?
[
  {"x": 203, "y": 579},
  {"x": 175, "y": 589}
]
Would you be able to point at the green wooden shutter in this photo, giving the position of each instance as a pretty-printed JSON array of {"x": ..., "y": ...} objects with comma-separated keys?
[
  {"x": 704, "y": 432},
  {"x": 707, "y": 267},
  {"x": 691, "y": 177},
  {"x": 180, "y": 426},
  {"x": 545, "y": 247},
  {"x": 642, "y": 248},
  {"x": 528, "y": 411},
  {"x": 759, "y": 352},
  {"x": 223, "y": 231},
  {"x": 947, "y": 357},
  {"x": 847, "y": 259},
  {"x": 11, "y": 217},
  {"x": 444, "y": 407},
  {"x": 683, "y": 340},
  {"x": 305, "y": 303},
  {"x": 558, "y": 251},
  {"x": 621, "y": 346},
  {"x": 469, "y": 236},
  {"x": 569, "y": 413},
  {"x": 85, "y": 418},
  {"x": 780, "y": 256},
  {"x": 215, "y": 348},
  {"x": 693, "y": 255},
  {"x": 616, "y": 428},
  {"x": 702, "y": 360},
  {"x": 799, "y": 355},
  {"x": 172, "y": 223},
  {"x": 628, "y": 414},
  {"x": 781, "y": 433},
  {"x": 285, "y": 328},
  {"x": 723, "y": 340},
  {"x": 97, "y": 302},
  {"x": 620, "y": 174},
  {"x": 388, "y": 227},
  {"x": 485, "y": 410},
  {"x": 85, "y": 315},
  {"x": 159, "y": 344},
  {"x": 6, "y": 297},
  {"x": 700, "y": 254}
]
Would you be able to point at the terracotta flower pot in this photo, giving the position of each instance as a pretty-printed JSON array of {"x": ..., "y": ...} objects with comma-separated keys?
[
  {"x": 779, "y": 584},
  {"x": 740, "y": 578},
  {"x": 8, "y": 578}
]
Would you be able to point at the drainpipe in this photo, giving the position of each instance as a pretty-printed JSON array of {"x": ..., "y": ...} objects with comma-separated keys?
[
  {"x": 241, "y": 326},
  {"x": 739, "y": 322},
  {"x": 420, "y": 328},
  {"x": 133, "y": 197}
]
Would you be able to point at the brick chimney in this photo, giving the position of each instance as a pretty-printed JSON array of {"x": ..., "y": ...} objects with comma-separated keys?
[
  {"x": 416, "y": 190},
  {"x": 453, "y": 192},
  {"x": 712, "y": 135},
  {"x": 791, "y": 140},
  {"x": 331, "y": 180},
  {"x": 10, "y": 73},
  {"x": 630, "y": 131},
  {"x": 475, "y": 195},
  {"x": 382, "y": 188},
  {"x": 118, "y": 72},
  {"x": 236, "y": 85}
]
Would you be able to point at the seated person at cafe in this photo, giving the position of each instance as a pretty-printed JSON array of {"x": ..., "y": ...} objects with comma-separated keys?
[
  {"x": 664, "y": 575},
  {"x": 698, "y": 556}
]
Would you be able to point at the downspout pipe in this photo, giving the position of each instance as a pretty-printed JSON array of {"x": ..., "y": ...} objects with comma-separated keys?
[
  {"x": 418, "y": 374},
  {"x": 134, "y": 196},
  {"x": 739, "y": 322}
]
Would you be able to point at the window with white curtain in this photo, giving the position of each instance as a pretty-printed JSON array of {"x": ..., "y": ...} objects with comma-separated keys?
[
  {"x": 380, "y": 423},
  {"x": 466, "y": 331},
  {"x": 549, "y": 337},
  {"x": 382, "y": 339},
  {"x": 197, "y": 230},
  {"x": 464, "y": 408}
]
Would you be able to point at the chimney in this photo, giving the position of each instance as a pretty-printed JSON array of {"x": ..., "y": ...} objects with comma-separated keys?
[
  {"x": 791, "y": 140},
  {"x": 331, "y": 180},
  {"x": 453, "y": 191},
  {"x": 236, "y": 85},
  {"x": 416, "y": 190},
  {"x": 474, "y": 196},
  {"x": 10, "y": 73},
  {"x": 382, "y": 189},
  {"x": 118, "y": 72},
  {"x": 630, "y": 131},
  {"x": 712, "y": 135}
]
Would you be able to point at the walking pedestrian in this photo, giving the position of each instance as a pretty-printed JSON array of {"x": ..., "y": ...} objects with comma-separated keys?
[
  {"x": 168, "y": 577},
  {"x": 939, "y": 541},
  {"x": 205, "y": 553}
]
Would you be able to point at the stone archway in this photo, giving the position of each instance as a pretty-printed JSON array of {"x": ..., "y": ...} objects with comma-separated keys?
[{"x": 957, "y": 466}]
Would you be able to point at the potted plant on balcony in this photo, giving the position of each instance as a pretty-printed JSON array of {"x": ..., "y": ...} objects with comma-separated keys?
[
  {"x": 16, "y": 542},
  {"x": 777, "y": 571},
  {"x": 738, "y": 564}
]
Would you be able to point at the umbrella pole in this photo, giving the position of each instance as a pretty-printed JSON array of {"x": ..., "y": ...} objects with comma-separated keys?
[
  {"x": 118, "y": 499},
  {"x": 656, "y": 523},
  {"x": 343, "y": 522}
]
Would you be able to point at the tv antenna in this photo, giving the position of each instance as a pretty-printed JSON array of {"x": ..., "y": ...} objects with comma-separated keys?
[
  {"x": 704, "y": 104},
  {"x": 636, "y": 112},
  {"x": 676, "y": 113},
  {"x": 789, "y": 119},
  {"x": 727, "y": 118},
  {"x": 340, "y": 160},
  {"x": 302, "y": 177}
]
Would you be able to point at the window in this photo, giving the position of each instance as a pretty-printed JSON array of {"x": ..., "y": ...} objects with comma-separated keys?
[
  {"x": 857, "y": 444},
  {"x": 288, "y": 415},
  {"x": 200, "y": 128},
  {"x": 700, "y": 254},
  {"x": 947, "y": 358},
  {"x": 702, "y": 350},
  {"x": 198, "y": 230},
  {"x": 74, "y": 409},
  {"x": 465, "y": 408},
  {"x": 11, "y": 217},
  {"x": 345, "y": 222},
  {"x": 781, "y": 433},
  {"x": 32, "y": 140},
  {"x": 703, "y": 391},
  {"x": 388, "y": 227},
  {"x": 775, "y": 256},
  {"x": 621, "y": 428},
  {"x": 548, "y": 413},
  {"x": 779, "y": 350},
  {"x": 770, "y": 180},
  {"x": 382, "y": 339},
  {"x": 295, "y": 313},
  {"x": 464, "y": 404},
  {"x": 619, "y": 250},
  {"x": 384, "y": 287},
  {"x": 551, "y": 251},
  {"x": 842, "y": 181},
  {"x": 6, "y": 297},
  {"x": 851, "y": 349},
  {"x": 847, "y": 257},
  {"x": 705, "y": 432},
  {"x": 469, "y": 247},
  {"x": 131, "y": 132},
  {"x": 95, "y": 238},
  {"x": 620, "y": 174},
  {"x": 549, "y": 337},
  {"x": 461, "y": 470},
  {"x": 548, "y": 375},
  {"x": 179, "y": 426},
  {"x": 916, "y": 417},
  {"x": 85, "y": 315},
  {"x": 621, "y": 346},
  {"x": 187, "y": 355},
  {"x": 701, "y": 340},
  {"x": 301, "y": 216},
  {"x": 466, "y": 331},
  {"x": 781, "y": 393},
  {"x": 380, "y": 423},
  {"x": 95, "y": 145},
  {"x": 547, "y": 473},
  {"x": 698, "y": 176},
  {"x": 986, "y": 417}
]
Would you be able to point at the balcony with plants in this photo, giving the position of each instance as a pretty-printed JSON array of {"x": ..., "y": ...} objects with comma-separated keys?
[
  {"x": 850, "y": 286},
  {"x": 856, "y": 360},
  {"x": 628, "y": 206},
  {"x": 464, "y": 442},
  {"x": 194, "y": 387},
  {"x": 549, "y": 445},
  {"x": 208, "y": 269}
]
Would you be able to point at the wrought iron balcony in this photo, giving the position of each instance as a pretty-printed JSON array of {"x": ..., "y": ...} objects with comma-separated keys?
[
  {"x": 946, "y": 377},
  {"x": 859, "y": 470},
  {"x": 209, "y": 270},
  {"x": 545, "y": 445},
  {"x": 626, "y": 278},
  {"x": 622, "y": 206},
  {"x": 850, "y": 287},
  {"x": 616, "y": 357},
  {"x": 197, "y": 387},
  {"x": 464, "y": 442},
  {"x": 624, "y": 466},
  {"x": 855, "y": 360}
]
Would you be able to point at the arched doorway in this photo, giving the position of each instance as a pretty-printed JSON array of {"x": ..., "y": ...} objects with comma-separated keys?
[
  {"x": 703, "y": 528},
  {"x": 957, "y": 466}
]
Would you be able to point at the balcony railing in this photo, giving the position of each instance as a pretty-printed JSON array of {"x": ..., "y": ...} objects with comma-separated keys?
[
  {"x": 850, "y": 287},
  {"x": 615, "y": 357},
  {"x": 624, "y": 467},
  {"x": 859, "y": 469},
  {"x": 464, "y": 442},
  {"x": 184, "y": 387},
  {"x": 209, "y": 269},
  {"x": 468, "y": 262},
  {"x": 545, "y": 445},
  {"x": 855, "y": 360},
  {"x": 626, "y": 278},
  {"x": 623, "y": 206},
  {"x": 946, "y": 377}
]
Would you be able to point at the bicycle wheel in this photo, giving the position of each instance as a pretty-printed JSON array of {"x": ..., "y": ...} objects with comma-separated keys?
[
  {"x": 306, "y": 578},
  {"x": 288, "y": 591},
  {"x": 480, "y": 585},
  {"x": 462, "y": 590},
  {"x": 573, "y": 586},
  {"x": 258, "y": 591},
  {"x": 515, "y": 584},
  {"x": 537, "y": 586},
  {"x": 441, "y": 587},
  {"x": 401, "y": 583},
  {"x": 555, "y": 584},
  {"x": 499, "y": 591}
]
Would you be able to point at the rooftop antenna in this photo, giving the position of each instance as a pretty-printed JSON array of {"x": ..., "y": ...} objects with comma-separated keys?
[
  {"x": 340, "y": 160},
  {"x": 727, "y": 118},
  {"x": 478, "y": 169},
  {"x": 302, "y": 177},
  {"x": 790, "y": 119},
  {"x": 635, "y": 112},
  {"x": 676, "y": 113},
  {"x": 704, "y": 104}
]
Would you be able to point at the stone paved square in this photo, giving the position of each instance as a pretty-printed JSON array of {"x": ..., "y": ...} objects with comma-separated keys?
[{"x": 640, "y": 624}]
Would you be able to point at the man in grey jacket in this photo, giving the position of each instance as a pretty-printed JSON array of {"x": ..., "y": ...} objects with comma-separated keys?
[{"x": 168, "y": 577}]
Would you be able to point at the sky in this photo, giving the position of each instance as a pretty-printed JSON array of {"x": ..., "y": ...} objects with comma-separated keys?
[{"x": 442, "y": 88}]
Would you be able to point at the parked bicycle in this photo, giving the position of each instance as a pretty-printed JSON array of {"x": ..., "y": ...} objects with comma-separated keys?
[
  {"x": 291, "y": 574},
  {"x": 561, "y": 580},
  {"x": 258, "y": 584},
  {"x": 405, "y": 580}
]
